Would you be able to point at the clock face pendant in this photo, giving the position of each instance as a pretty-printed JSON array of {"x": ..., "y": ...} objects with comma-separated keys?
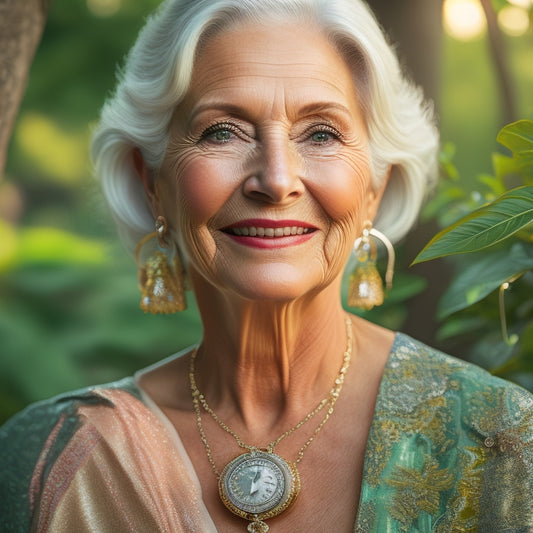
[{"x": 258, "y": 485}]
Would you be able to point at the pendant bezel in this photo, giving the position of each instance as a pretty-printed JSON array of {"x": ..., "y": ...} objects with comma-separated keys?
[{"x": 286, "y": 488}]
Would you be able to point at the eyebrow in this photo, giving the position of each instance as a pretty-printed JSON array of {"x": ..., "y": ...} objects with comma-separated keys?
[
  {"x": 318, "y": 107},
  {"x": 230, "y": 109},
  {"x": 237, "y": 110}
]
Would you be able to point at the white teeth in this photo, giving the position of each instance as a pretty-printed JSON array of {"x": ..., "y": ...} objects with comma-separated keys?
[{"x": 253, "y": 231}]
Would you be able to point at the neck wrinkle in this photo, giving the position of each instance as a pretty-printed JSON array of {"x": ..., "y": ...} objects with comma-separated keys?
[{"x": 263, "y": 366}]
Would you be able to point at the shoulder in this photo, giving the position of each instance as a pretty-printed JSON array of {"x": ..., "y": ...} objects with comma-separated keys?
[
  {"x": 488, "y": 403},
  {"x": 465, "y": 398},
  {"x": 449, "y": 429},
  {"x": 33, "y": 439}
]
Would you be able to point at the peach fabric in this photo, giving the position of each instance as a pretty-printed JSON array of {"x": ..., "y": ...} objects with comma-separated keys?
[{"x": 123, "y": 470}]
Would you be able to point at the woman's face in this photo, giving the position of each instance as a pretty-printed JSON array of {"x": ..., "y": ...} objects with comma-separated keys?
[{"x": 266, "y": 179}]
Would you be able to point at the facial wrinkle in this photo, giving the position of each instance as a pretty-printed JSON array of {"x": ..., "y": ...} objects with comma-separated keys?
[{"x": 268, "y": 308}]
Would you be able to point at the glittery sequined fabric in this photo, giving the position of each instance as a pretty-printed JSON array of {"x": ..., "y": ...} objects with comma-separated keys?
[
  {"x": 98, "y": 462},
  {"x": 450, "y": 450}
]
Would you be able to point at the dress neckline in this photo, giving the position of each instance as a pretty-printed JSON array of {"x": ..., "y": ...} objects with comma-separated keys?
[{"x": 176, "y": 439}]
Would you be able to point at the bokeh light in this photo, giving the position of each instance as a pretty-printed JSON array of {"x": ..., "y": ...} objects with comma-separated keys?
[
  {"x": 61, "y": 155},
  {"x": 103, "y": 8},
  {"x": 513, "y": 20},
  {"x": 464, "y": 19}
]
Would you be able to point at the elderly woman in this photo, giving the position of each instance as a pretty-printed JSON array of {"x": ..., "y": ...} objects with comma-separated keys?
[{"x": 248, "y": 146}]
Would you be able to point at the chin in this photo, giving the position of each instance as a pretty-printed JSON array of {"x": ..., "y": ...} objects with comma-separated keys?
[{"x": 274, "y": 289}]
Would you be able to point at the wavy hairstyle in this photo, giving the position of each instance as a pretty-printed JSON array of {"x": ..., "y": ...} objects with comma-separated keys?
[{"x": 158, "y": 71}]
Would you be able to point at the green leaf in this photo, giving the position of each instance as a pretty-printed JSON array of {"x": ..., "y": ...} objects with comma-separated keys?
[
  {"x": 484, "y": 276},
  {"x": 519, "y": 164},
  {"x": 518, "y": 136},
  {"x": 446, "y": 156},
  {"x": 495, "y": 184},
  {"x": 460, "y": 325},
  {"x": 484, "y": 227}
]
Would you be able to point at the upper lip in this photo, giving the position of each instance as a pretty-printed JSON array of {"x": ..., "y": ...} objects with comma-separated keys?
[{"x": 269, "y": 223}]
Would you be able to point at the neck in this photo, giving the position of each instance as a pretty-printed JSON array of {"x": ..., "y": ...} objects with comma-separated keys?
[{"x": 264, "y": 365}]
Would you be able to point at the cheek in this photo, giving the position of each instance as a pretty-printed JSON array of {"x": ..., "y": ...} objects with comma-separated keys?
[
  {"x": 343, "y": 193},
  {"x": 200, "y": 191},
  {"x": 201, "y": 187},
  {"x": 342, "y": 187}
]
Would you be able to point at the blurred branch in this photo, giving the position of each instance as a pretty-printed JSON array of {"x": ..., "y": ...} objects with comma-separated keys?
[
  {"x": 499, "y": 59},
  {"x": 21, "y": 27}
]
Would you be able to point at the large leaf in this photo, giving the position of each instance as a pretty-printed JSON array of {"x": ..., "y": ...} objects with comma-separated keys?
[
  {"x": 484, "y": 227},
  {"x": 518, "y": 138},
  {"x": 484, "y": 276}
]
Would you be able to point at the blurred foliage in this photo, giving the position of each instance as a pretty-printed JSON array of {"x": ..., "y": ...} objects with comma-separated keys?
[
  {"x": 69, "y": 313},
  {"x": 495, "y": 241},
  {"x": 470, "y": 112},
  {"x": 69, "y": 317}
]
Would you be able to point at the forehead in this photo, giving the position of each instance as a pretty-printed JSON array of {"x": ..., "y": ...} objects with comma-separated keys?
[{"x": 261, "y": 60}]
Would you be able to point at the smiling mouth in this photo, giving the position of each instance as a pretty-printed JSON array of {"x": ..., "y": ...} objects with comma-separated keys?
[{"x": 268, "y": 233}]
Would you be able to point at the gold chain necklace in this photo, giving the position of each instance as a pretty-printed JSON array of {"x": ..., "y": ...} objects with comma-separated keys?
[{"x": 259, "y": 484}]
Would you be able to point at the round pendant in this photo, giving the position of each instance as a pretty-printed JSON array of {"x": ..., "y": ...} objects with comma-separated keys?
[{"x": 258, "y": 485}]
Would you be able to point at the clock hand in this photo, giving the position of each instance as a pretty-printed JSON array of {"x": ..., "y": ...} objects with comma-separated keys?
[{"x": 254, "y": 487}]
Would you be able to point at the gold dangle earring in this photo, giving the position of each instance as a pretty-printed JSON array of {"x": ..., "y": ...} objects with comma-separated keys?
[
  {"x": 161, "y": 276},
  {"x": 365, "y": 289}
]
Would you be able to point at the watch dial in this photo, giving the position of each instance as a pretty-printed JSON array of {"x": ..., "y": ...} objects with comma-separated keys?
[{"x": 258, "y": 482}]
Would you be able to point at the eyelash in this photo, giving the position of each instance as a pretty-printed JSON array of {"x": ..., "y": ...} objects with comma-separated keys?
[
  {"x": 219, "y": 127},
  {"x": 226, "y": 126},
  {"x": 323, "y": 128}
]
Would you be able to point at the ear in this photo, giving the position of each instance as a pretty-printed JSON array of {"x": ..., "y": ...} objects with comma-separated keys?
[
  {"x": 148, "y": 183},
  {"x": 375, "y": 195}
]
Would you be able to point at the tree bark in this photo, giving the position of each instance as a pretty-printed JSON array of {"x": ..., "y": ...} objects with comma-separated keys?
[{"x": 21, "y": 27}]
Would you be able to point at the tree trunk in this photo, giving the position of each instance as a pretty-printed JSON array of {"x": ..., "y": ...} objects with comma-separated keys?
[
  {"x": 415, "y": 28},
  {"x": 21, "y": 27},
  {"x": 501, "y": 64}
]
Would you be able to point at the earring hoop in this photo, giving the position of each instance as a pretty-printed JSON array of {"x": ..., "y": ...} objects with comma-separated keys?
[
  {"x": 161, "y": 276},
  {"x": 366, "y": 287}
]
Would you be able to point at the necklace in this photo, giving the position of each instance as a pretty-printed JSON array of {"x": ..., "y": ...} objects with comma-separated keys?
[{"x": 259, "y": 484}]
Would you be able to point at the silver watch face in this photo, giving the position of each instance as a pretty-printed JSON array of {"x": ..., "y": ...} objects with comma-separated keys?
[{"x": 258, "y": 482}]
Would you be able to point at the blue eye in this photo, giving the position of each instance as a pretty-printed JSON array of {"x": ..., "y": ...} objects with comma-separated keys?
[
  {"x": 222, "y": 135},
  {"x": 321, "y": 137},
  {"x": 323, "y": 134},
  {"x": 218, "y": 133}
]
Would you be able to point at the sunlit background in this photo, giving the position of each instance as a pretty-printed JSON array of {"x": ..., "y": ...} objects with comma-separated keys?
[
  {"x": 68, "y": 295},
  {"x": 465, "y": 19}
]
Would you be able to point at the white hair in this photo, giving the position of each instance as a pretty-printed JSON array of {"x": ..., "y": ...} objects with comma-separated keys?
[{"x": 157, "y": 74}]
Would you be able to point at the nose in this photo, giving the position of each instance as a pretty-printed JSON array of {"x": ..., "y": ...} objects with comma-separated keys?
[{"x": 276, "y": 175}]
